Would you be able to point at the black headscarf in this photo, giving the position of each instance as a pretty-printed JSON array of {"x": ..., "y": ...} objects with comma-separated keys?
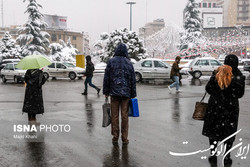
[
  {"x": 88, "y": 58},
  {"x": 233, "y": 61}
]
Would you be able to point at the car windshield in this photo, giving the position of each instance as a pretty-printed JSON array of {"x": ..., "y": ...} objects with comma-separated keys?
[
  {"x": 69, "y": 64},
  {"x": 16, "y": 67}
]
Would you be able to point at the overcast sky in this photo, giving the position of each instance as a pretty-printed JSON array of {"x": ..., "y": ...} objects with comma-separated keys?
[{"x": 97, "y": 16}]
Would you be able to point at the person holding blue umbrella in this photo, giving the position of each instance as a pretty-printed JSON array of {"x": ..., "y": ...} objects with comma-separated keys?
[{"x": 34, "y": 79}]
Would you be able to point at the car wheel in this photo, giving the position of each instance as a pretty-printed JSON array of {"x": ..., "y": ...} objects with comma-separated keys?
[
  {"x": 72, "y": 75},
  {"x": 197, "y": 74},
  {"x": 4, "y": 79},
  {"x": 46, "y": 75},
  {"x": 16, "y": 80},
  {"x": 138, "y": 77}
]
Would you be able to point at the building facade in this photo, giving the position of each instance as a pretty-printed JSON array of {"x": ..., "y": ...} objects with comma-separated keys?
[
  {"x": 211, "y": 13},
  {"x": 151, "y": 28},
  {"x": 236, "y": 12},
  {"x": 57, "y": 28}
]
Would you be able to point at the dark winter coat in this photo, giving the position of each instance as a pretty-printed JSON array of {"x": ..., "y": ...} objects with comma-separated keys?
[
  {"x": 221, "y": 119},
  {"x": 33, "y": 101},
  {"x": 89, "y": 69},
  {"x": 119, "y": 77},
  {"x": 175, "y": 70}
]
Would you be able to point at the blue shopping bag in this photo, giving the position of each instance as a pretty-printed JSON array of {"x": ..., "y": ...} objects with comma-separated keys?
[{"x": 133, "y": 108}]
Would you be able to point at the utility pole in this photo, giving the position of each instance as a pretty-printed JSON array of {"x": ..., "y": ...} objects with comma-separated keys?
[
  {"x": 2, "y": 13},
  {"x": 131, "y": 3}
]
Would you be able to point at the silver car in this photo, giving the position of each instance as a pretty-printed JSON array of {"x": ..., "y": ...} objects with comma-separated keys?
[
  {"x": 203, "y": 66},
  {"x": 63, "y": 70},
  {"x": 152, "y": 69},
  {"x": 10, "y": 72}
]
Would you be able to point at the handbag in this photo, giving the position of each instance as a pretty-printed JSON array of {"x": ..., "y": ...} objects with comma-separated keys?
[
  {"x": 200, "y": 109},
  {"x": 106, "y": 113},
  {"x": 133, "y": 108}
]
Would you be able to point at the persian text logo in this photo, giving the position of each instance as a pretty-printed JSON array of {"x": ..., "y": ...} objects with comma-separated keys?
[{"x": 220, "y": 150}]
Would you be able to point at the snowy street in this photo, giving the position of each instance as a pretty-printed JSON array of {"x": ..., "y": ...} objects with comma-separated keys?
[{"x": 165, "y": 124}]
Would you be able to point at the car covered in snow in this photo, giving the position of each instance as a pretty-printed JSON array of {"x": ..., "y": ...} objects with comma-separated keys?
[
  {"x": 5, "y": 61},
  {"x": 11, "y": 72},
  {"x": 63, "y": 70},
  {"x": 151, "y": 68},
  {"x": 100, "y": 67},
  {"x": 185, "y": 68},
  {"x": 203, "y": 66}
]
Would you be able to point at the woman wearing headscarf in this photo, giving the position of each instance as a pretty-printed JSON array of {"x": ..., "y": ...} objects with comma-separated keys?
[
  {"x": 89, "y": 75},
  {"x": 33, "y": 100},
  {"x": 226, "y": 86}
]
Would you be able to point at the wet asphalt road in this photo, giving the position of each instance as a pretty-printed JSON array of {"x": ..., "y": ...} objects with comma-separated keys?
[{"x": 164, "y": 125}]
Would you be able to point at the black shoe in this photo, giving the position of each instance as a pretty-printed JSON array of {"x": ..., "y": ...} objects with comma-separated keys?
[
  {"x": 98, "y": 90},
  {"x": 228, "y": 161},
  {"x": 212, "y": 159},
  {"x": 85, "y": 92},
  {"x": 125, "y": 142},
  {"x": 115, "y": 142}
]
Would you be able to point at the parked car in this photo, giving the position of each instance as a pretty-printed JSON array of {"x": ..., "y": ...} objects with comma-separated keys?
[
  {"x": 100, "y": 67},
  {"x": 185, "y": 68},
  {"x": 5, "y": 61},
  {"x": 152, "y": 69},
  {"x": 203, "y": 66},
  {"x": 10, "y": 72},
  {"x": 63, "y": 70},
  {"x": 246, "y": 66}
]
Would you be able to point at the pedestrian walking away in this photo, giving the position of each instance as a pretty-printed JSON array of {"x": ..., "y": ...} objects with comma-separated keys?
[
  {"x": 226, "y": 86},
  {"x": 175, "y": 75},
  {"x": 119, "y": 83},
  {"x": 33, "y": 101},
  {"x": 89, "y": 75}
]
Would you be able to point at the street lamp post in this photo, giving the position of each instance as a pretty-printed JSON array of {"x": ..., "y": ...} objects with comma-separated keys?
[
  {"x": 130, "y": 3},
  {"x": 2, "y": 13}
]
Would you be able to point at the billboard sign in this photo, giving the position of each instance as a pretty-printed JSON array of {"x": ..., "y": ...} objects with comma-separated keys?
[
  {"x": 212, "y": 20},
  {"x": 56, "y": 22}
]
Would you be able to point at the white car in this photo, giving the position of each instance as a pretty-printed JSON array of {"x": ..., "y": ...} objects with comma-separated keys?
[
  {"x": 152, "y": 69},
  {"x": 5, "y": 61},
  {"x": 203, "y": 66},
  {"x": 63, "y": 70},
  {"x": 10, "y": 72},
  {"x": 100, "y": 67},
  {"x": 185, "y": 68}
]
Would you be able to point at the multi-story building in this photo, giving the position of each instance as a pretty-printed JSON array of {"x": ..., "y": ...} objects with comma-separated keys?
[
  {"x": 151, "y": 28},
  {"x": 211, "y": 13},
  {"x": 57, "y": 28},
  {"x": 236, "y": 12}
]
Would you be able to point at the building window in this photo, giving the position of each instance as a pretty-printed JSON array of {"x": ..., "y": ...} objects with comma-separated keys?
[
  {"x": 209, "y": 5},
  {"x": 214, "y": 5},
  {"x": 74, "y": 45},
  {"x": 59, "y": 36},
  {"x": 204, "y": 5},
  {"x": 74, "y": 37},
  {"x": 200, "y": 5},
  {"x": 53, "y": 37}
]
